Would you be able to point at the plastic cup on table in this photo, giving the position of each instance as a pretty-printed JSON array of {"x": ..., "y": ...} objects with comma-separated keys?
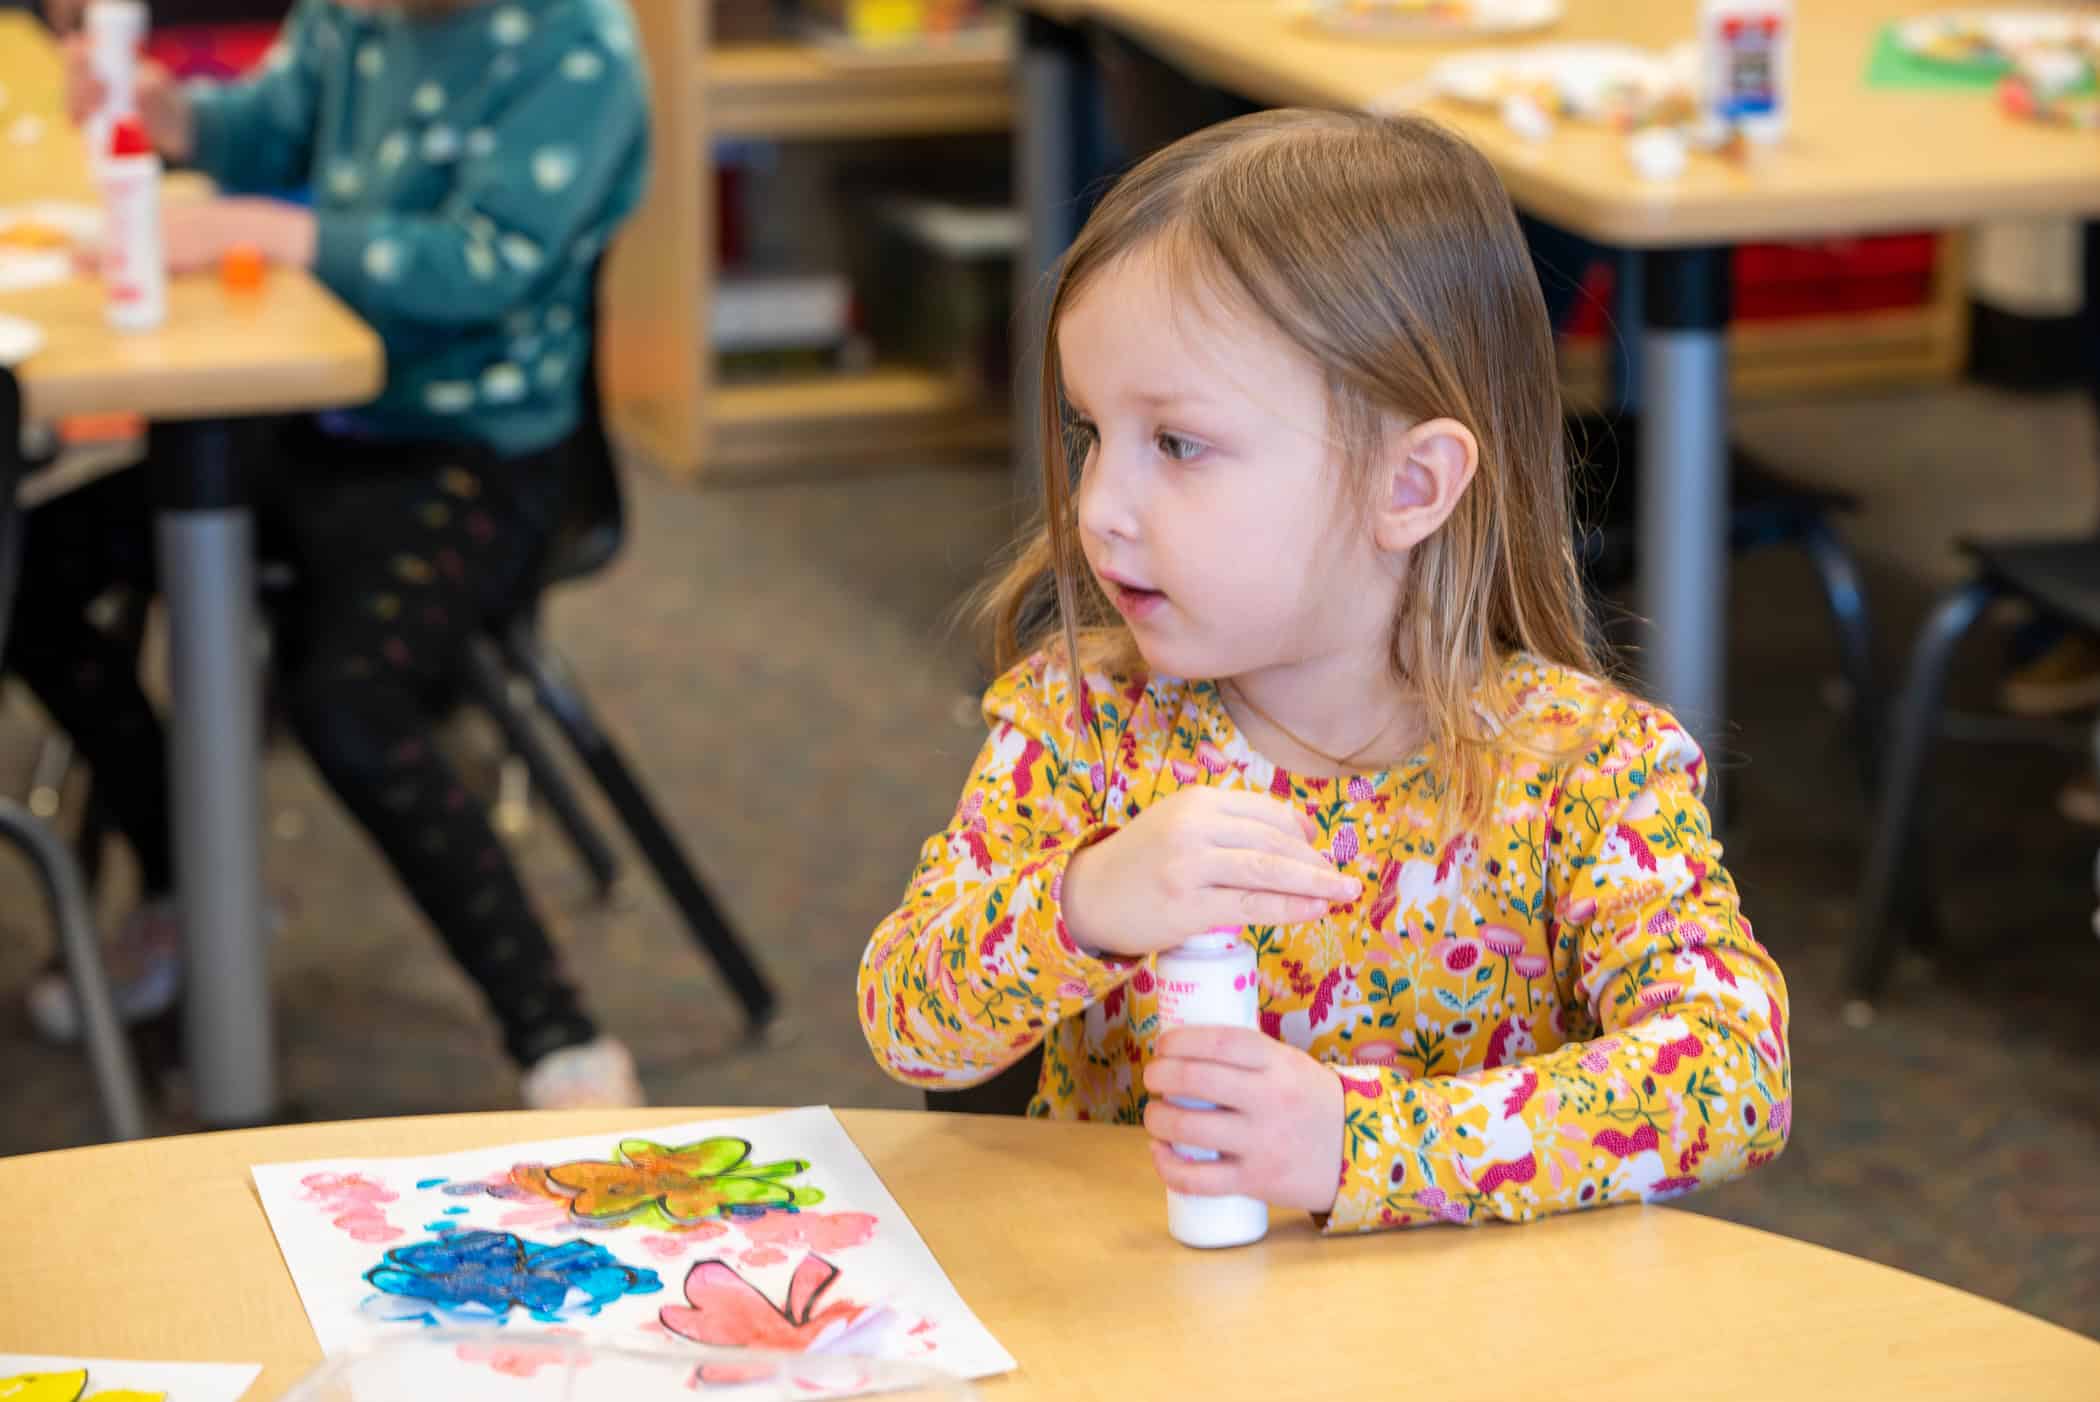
[{"x": 524, "y": 1365}]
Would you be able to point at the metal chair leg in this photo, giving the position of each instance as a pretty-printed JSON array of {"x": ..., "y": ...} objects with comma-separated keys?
[
  {"x": 109, "y": 1054},
  {"x": 1898, "y": 810},
  {"x": 1847, "y": 596},
  {"x": 564, "y": 701},
  {"x": 47, "y": 776},
  {"x": 490, "y": 681}
]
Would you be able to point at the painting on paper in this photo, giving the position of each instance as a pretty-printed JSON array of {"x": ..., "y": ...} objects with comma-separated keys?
[
  {"x": 41, "y": 1377},
  {"x": 768, "y": 1231}
]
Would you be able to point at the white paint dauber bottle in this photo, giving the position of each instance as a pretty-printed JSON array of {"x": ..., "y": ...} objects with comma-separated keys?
[
  {"x": 1209, "y": 982},
  {"x": 134, "y": 260}
]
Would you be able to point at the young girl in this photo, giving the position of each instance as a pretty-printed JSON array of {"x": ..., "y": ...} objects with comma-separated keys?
[
  {"x": 469, "y": 160},
  {"x": 1339, "y": 692}
]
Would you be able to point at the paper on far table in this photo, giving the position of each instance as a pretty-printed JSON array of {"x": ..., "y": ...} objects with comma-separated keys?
[
  {"x": 57, "y": 229},
  {"x": 35, "y": 1377},
  {"x": 19, "y": 339},
  {"x": 20, "y": 271},
  {"x": 767, "y": 1231}
]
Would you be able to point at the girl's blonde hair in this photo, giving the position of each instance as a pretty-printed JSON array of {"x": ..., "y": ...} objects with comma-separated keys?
[{"x": 1386, "y": 250}]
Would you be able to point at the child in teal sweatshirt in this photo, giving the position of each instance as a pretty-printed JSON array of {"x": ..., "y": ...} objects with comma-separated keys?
[{"x": 468, "y": 161}]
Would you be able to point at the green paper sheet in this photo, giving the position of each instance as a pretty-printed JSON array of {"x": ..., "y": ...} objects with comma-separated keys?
[{"x": 1893, "y": 66}]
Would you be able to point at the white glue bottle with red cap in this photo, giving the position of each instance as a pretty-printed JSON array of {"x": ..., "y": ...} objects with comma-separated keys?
[
  {"x": 134, "y": 263},
  {"x": 1747, "y": 50},
  {"x": 115, "y": 29},
  {"x": 1209, "y": 982}
]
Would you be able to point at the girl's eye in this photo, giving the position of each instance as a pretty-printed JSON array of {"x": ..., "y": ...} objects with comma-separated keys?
[{"x": 1175, "y": 448}]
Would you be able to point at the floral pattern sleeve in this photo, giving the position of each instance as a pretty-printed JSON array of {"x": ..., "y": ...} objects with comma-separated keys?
[
  {"x": 976, "y": 965},
  {"x": 1675, "y": 1072}
]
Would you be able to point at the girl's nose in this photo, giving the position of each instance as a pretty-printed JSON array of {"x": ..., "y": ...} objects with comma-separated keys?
[{"x": 1107, "y": 505}]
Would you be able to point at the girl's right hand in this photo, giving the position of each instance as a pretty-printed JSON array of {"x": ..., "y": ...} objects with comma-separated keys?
[
  {"x": 1199, "y": 859},
  {"x": 163, "y": 106}
]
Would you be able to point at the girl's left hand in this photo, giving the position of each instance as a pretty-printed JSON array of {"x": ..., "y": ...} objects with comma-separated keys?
[
  {"x": 197, "y": 233},
  {"x": 1278, "y": 1124}
]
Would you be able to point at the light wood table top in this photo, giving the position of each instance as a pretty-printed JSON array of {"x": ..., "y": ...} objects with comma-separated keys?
[
  {"x": 1856, "y": 158},
  {"x": 287, "y": 346},
  {"x": 1055, "y": 1234}
]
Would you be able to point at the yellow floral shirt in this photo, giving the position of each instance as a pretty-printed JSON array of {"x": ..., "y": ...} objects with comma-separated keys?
[{"x": 1562, "y": 1008}]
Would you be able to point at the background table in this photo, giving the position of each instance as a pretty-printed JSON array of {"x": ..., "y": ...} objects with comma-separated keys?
[
  {"x": 1856, "y": 160},
  {"x": 288, "y": 347},
  {"x": 1055, "y": 1234}
]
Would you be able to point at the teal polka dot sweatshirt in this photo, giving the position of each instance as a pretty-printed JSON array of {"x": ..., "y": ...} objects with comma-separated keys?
[{"x": 467, "y": 170}]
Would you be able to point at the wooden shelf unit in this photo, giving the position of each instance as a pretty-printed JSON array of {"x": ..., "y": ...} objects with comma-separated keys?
[
  {"x": 800, "y": 90},
  {"x": 660, "y": 380},
  {"x": 660, "y": 371},
  {"x": 871, "y": 418}
]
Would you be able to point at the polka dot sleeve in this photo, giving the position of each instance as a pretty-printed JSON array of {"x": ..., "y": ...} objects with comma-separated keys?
[
  {"x": 256, "y": 136},
  {"x": 530, "y": 191}
]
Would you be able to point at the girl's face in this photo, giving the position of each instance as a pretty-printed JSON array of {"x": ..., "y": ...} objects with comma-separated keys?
[{"x": 1211, "y": 505}]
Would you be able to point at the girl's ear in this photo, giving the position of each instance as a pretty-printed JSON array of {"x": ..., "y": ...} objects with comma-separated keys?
[{"x": 1423, "y": 472}]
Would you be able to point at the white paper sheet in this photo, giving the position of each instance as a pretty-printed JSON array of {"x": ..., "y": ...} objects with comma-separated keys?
[
  {"x": 20, "y": 271},
  {"x": 602, "y": 1236},
  {"x": 37, "y": 1377}
]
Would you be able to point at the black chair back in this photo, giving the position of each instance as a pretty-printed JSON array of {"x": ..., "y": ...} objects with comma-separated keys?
[{"x": 594, "y": 512}]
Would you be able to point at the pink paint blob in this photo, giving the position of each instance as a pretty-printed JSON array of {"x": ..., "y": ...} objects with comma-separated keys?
[
  {"x": 764, "y": 1256},
  {"x": 348, "y": 1187},
  {"x": 819, "y": 1231},
  {"x": 731, "y": 1375},
  {"x": 522, "y": 1359},
  {"x": 371, "y": 1228},
  {"x": 664, "y": 1248},
  {"x": 669, "y": 1246},
  {"x": 355, "y": 1204},
  {"x": 538, "y": 1215}
]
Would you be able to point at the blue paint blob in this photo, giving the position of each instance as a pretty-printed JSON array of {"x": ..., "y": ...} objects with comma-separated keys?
[{"x": 492, "y": 1273}]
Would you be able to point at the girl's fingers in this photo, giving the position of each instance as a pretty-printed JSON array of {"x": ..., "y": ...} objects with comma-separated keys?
[
  {"x": 1236, "y": 868},
  {"x": 1228, "y": 907},
  {"x": 1250, "y": 1054},
  {"x": 1216, "y": 1081},
  {"x": 1220, "y": 1131},
  {"x": 84, "y": 91},
  {"x": 1209, "y": 1180},
  {"x": 1264, "y": 837},
  {"x": 1273, "y": 812}
]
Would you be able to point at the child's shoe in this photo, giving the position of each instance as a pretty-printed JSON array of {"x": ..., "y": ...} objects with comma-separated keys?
[
  {"x": 144, "y": 961},
  {"x": 591, "y": 1074}
]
